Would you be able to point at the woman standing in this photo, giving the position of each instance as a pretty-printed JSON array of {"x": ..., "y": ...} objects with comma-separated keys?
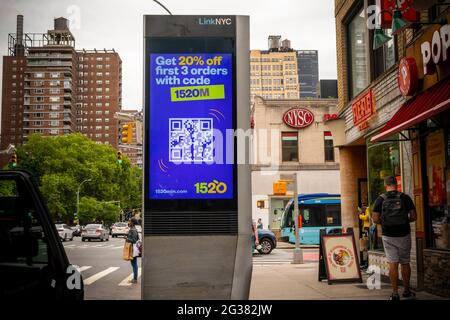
[{"x": 133, "y": 238}]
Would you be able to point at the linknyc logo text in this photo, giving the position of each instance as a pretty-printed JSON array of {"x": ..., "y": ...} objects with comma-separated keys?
[{"x": 214, "y": 21}]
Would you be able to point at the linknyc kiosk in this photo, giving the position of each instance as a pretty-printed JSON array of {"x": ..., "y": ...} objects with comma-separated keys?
[{"x": 197, "y": 192}]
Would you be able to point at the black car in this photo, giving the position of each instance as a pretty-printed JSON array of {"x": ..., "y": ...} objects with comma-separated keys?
[
  {"x": 267, "y": 240},
  {"x": 33, "y": 262}
]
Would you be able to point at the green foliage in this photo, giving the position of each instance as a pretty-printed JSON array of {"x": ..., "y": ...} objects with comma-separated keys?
[{"x": 61, "y": 163}]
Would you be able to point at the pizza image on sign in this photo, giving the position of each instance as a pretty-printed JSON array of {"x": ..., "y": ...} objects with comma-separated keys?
[{"x": 341, "y": 257}]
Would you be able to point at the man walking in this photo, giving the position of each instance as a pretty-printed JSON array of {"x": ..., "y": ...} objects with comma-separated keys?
[{"x": 394, "y": 211}]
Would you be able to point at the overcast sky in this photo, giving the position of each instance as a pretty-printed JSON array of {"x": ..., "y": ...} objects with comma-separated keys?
[{"x": 309, "y": 24}]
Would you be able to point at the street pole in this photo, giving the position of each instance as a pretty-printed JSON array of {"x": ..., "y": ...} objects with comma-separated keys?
[
  {"x": 298, "y": 254},
  {"x": 78, "y": 197}
]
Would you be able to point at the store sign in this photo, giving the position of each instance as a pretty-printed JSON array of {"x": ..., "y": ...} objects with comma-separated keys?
[
  {"x": 298, "y": 118},
  {"x": 405, "y": 6},
  {"x": 363, "y": 108},
  {"x": 340, "y": 257},
  {"x": 328, "y": 116},
  {"x": 436, "y": 50},
  {"x": 408, "y": 77}
]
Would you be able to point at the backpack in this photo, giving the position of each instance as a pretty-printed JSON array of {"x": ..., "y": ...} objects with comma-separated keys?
[{"x": 393, "y": 210}]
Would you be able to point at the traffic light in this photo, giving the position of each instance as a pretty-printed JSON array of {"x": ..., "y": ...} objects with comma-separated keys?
[
  {"x": 14, "y": 160},
  {"x": 119, "y": 157},
  {"x": 127, "y": 133}
]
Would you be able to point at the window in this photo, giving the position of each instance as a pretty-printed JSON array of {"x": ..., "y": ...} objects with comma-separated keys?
[
  {"x": 289, "y": 145},
  {"x": 383, "y": 160},
  {"x": 53, "y": 115},
  {"x": 54, "y": 123},
  {"x": 54, "y": 99},
  {"x": 55, "y": 74},
  {"x": 24, "y": 244},
  {"x": 328, "y": 144},
  {"x": 54, "y": 91},
  {"x": 357, "y": 54},
  {"x": 384, "y": 57},
  {"x": 38, "y": 75}
]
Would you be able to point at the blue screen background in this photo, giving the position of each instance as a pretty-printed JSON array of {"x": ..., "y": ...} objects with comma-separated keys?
[{"x": 169, "y": 180}]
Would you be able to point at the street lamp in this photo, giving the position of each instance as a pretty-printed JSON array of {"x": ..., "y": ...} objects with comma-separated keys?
[{"x": 78, "y": 195}]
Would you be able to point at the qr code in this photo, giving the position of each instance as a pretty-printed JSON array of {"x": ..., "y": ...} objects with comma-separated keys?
[{"x": 191, "y": 140}]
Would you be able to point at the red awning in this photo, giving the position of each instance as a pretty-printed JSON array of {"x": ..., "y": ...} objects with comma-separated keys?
[{"x": 424, "y": 106}]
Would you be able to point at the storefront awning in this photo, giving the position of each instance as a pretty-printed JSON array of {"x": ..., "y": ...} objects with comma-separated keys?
[{"x": 427, "y": 104}]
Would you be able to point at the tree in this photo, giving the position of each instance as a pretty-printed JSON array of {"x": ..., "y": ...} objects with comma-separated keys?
[{"x": 61, "y": 163}]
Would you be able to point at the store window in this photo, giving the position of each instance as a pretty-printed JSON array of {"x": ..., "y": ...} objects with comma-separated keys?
[
  {"x": 329, "y": 148},
  {"x": 289, "y": 145},
  {"x": 357, "y": 53},
  {"x": 438, "y": 174},
  {"x": 383, "y": 160}
]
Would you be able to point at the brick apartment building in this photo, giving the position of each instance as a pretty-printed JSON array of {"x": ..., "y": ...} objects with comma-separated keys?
[
  {"x": 50, "y": 88},
  {"x": 99, "y": 95}
]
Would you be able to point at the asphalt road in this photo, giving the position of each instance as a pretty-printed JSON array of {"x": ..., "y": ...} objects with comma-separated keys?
[{"x": 105, "y": 273}]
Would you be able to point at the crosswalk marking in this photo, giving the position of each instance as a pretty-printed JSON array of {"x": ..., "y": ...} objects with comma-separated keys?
[
  {"x": 70, "y": 246},
  {"x": 119, "y": 247},
  {"x": 125, "y": 283},
  {"x": 100, "y": 275},
  {"x": 83, "y": 268}
]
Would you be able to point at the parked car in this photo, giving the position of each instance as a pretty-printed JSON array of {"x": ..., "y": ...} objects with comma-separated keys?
[
  {"x": 64, "y": 231},
  {"x": 76, "y": 231},
  {"x": 95, "y": 231},
  {"x": 32, "y": 257},
  {"x": 267, "y": 240},
  {"x": 119, "y": 229}
]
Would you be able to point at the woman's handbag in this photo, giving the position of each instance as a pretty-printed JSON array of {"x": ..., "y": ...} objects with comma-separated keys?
[
  {"x": 128, "y": 251},
  {"x": 137, "y": 249}
]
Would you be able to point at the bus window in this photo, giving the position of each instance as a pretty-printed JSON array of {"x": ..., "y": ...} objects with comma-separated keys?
[
  {"x": 311, "y": 215},
  {"x": 332, "y": 215}
]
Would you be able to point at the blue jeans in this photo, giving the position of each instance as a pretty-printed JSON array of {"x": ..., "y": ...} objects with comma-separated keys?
[{"x": 134, "y": 265}]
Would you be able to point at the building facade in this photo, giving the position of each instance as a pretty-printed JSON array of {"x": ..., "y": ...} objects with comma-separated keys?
[
  {"x": 394, "y": 120},
  {"x": 132, "y": 146},
  {"x": 274, "y": 72},
  {"x": 51, "y": 89},
  {"x": 328, "y": 89},
  {"x": 291, "y": 136},
  {"x": 308, "y": 73},
  {"x": 99, "y": 95}
]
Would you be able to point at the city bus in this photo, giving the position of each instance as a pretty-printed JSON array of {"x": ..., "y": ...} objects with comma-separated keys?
[{"x": 316, "y": 211}]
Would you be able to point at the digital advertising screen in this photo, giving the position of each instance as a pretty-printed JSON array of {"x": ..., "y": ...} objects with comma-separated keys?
[{"x": 191, "y": 109}]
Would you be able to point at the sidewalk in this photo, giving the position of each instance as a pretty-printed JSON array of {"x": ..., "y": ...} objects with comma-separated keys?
[{"x": 299, "y": 282}]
